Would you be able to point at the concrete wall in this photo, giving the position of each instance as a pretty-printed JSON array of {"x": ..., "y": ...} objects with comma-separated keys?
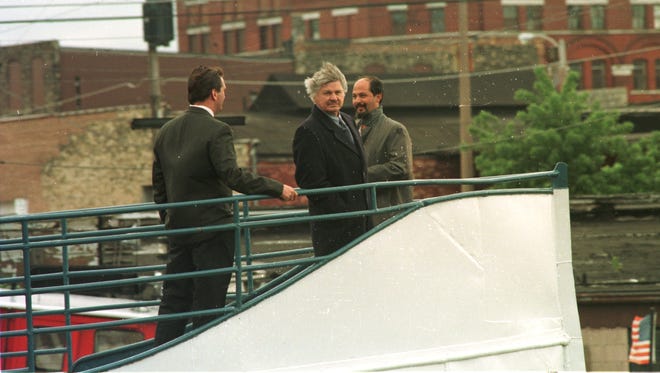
[
  {"x": 76, "y": 160},
  {"x": 606, "y": 349},
  {"x": 422, "y": 55}
]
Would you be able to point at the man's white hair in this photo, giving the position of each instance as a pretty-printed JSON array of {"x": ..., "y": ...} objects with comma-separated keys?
[{"x": 328, "y": 73}]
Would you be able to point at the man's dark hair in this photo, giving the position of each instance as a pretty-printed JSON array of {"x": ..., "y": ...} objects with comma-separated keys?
[
  {"x": 202, "y": 80},
  {"x": 375, "y": 86}
]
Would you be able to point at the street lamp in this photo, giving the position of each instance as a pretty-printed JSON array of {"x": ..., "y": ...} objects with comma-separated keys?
[{"x": 525, "y": 37}]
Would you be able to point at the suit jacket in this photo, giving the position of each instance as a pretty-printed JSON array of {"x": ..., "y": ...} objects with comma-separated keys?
[
  {"x": 389, "y": 157},
  {"x": 195, "y": 159},
  {"x": 324, "y": 158}
]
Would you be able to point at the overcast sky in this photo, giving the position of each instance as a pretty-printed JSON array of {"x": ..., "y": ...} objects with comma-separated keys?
[{"x": 124, "y": 34}]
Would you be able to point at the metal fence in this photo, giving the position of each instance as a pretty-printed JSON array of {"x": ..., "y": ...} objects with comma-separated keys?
[{"x": 291, "y": 263}]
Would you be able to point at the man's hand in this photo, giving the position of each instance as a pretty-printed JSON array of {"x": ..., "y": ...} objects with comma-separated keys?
[{"x": 288, "y": 193}]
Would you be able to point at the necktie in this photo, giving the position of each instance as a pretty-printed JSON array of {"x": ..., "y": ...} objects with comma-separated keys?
[{"x": 346, "y": 131}]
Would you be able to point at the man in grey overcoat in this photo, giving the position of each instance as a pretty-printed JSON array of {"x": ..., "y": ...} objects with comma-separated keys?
[{"x": 386, "y": 142}]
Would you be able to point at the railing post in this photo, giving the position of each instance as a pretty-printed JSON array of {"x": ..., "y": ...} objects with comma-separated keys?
[
  {"x": 560, "y": 181},
  {"x": 66, "y": 282},
  {"x": 29, "y": 328},
  {"x": 238, "y": 275},
  {"x": 248, "y": 250}
]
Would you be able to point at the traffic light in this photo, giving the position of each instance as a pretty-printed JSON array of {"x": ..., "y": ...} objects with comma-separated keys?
[{"x": 157, "y": 20}]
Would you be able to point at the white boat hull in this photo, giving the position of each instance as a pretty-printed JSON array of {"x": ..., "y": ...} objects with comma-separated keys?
[{"x": 478, "y": 283}]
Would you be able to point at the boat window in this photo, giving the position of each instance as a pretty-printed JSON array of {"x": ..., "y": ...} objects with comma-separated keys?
[
  {"x": 113, "y": 338},
  {"x": 49, "y": 362}
]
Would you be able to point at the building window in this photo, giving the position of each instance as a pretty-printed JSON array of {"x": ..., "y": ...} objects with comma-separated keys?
[
  {"x": 639, "y": 16},
  {"x": 575, "y": 17},
  {"x": 640, "y": 74},
  {"x": 312, "y": 25},
  {"x": 313, "y": 30},
  {"x": 598, "y": 17},
  {"x": 199, "y": 40},
  {"x": 534, "y": 18},
  {"x": 206, "y": 42},
  {"x": 269, "y": 37},
  {"x": 437, "y": 16},
  {"x": 263, "y": 37},
  {"x": 269, "y": 33},
  {"x": 275, "y": 38},
  {"x": 510, "y": 15},
  {"x": 577, "y": 67},
  {"x": 229, "y": 42},
  {"x": 193, "y": 43},
  {"x": 240, "y": 40},
  {"x": 597, "y": 74},
  {"x": 233, "y": 37},
  {"x": 399, "y": 19},
  {"x": 656, "y": 17}
]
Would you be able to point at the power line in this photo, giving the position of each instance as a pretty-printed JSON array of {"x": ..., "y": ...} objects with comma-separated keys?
[
  {"x": 65, "y": 5},
  {"x": 66, "y": 20}
]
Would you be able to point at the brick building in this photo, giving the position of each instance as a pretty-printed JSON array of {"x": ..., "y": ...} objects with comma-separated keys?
[
  {"x": 612, "y": 43},
  {"x": 46, "y": 78},
  {"x": 63, "y": 96}
]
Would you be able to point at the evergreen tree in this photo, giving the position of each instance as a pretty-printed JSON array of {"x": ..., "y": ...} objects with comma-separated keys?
[{"x": 562, "y": 126}]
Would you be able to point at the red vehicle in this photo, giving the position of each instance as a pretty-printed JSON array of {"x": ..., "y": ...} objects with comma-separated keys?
[{"x": 83, "y": 342}]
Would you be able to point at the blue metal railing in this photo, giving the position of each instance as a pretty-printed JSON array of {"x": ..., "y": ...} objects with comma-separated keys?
[{"x": 293, "y": 262}]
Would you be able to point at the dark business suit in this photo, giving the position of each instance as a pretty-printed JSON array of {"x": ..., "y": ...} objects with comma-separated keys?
[
  {"x": 324, "y": 158},
  {"x": 194, "y": 159}
]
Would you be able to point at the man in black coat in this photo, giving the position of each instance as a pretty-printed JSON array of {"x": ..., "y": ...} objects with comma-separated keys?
[
  {"x": 195, "y": 159},
  {"x": 328, "y": 152}
]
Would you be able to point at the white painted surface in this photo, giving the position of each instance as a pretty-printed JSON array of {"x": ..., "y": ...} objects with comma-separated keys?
[
  {"x": 55, "y": 302},
  {"x": 470, "y": 284}
]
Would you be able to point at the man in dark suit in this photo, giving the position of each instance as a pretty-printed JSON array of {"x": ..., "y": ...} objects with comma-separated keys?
[
  {"x": 195, "y": 159},
  {"x": 327, "y": 151}
]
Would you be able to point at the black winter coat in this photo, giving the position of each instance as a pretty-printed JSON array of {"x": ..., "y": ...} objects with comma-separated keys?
[{"x": 324, "y": 158}]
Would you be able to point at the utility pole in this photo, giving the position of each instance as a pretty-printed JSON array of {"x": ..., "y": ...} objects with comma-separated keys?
[
  {"x": 154, "y": 80},
  {"x": 465, "y": 95}
]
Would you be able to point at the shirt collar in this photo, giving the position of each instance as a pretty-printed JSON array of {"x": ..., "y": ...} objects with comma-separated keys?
[
  {"x": 369, "y": 118},
  {"x": 335, "y": 119},
  {"x": 205, "y": 108}
]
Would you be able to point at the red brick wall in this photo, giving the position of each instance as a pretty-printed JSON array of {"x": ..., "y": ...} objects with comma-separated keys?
[
  {"x": 74, "y": 161},
  {"x": 425, "y": 167}
]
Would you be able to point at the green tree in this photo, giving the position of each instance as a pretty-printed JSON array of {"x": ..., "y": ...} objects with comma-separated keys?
[{"x": 562, "y": 126}]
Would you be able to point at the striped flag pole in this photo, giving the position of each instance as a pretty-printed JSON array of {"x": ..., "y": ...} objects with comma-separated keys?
[{"x": 653, "y": 315}]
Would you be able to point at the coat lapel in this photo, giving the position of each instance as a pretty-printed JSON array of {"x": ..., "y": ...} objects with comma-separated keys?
[{"x": 329, "y": 125}]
